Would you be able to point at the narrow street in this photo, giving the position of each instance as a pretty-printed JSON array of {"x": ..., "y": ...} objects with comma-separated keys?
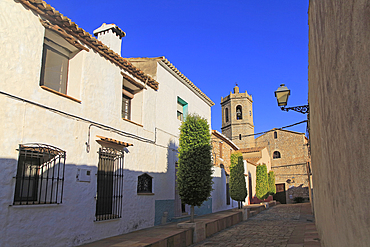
[{"x": 288, "y": 225}]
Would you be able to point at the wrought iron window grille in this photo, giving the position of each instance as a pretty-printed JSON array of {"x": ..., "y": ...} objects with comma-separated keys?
[
  {"x": 144, "y": 184},
  {"x": 40, "y": 175},
  {"x": 110, "y": 184}
]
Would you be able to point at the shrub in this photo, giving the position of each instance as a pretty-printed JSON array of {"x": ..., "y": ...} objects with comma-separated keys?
[
  {"x": 271, "y": 180},
  {"x": 262, "y": 191},
  {"x": 194, "y": 172},
  {"x": 238, "y": 188}
]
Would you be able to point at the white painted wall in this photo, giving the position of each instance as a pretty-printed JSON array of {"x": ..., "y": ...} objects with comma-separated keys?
[
  {"x": 218, "y": 193},
  {"x": 97, "y": 83}
]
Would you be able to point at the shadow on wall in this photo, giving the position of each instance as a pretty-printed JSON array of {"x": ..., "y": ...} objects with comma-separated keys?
[{"x": 75, "y": 216}]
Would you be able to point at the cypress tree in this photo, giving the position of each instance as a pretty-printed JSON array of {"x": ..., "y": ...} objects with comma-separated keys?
[
  {"x": 262, "y": 191},
  {"x": 194, "y": 172},
  {"x": 238, "y": 188},
  {"x": 271, "y": 178}
]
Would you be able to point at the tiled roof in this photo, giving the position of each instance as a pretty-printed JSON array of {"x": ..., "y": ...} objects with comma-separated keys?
[
  {"x": 251, "y": 150},
  {"x": 171, "y": 66},
  {"x": 165, "y": 61},
  {"x": 71, "y": 28},
  {"x": 225, "y": 139},
  {"x": 253, "y": 160},
  {"x": 290, "y": 131}
]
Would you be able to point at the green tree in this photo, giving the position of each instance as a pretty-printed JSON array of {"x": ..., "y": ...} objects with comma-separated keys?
[
  {"x": 194, "y": 172},
  {"x": 238, "y": 188},
  {"x": 271, "y": 178},
  {"x": 262, "y": 191}
]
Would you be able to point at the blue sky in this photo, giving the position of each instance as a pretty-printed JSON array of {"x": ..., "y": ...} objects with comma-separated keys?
[{"x": 257, "y": 44}]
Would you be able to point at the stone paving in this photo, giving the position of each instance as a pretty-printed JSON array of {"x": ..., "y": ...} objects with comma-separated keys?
[{"x": 288, "y": 225}]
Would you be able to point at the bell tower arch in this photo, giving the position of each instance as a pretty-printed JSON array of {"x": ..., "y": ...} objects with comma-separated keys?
[{"x": 237, "y": 118}]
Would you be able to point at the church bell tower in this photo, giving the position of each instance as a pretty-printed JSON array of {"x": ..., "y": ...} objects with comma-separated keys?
[{"x": 237, "y": 118}]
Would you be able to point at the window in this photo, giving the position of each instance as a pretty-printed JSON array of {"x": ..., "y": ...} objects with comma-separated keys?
[
  {"x": 182, "y": 109},
  {"x": 226, "y": 115},
  {"x": 40, "y": 175},
  {"x": 54, "y": 71},
  {"x": 127, "y": 96},
  {"x": 227, "y": 190},
  {"x": 58, "y": 62},
  {"x": 250, "y": 113},
  {"x": 275, "y": 135},
  {"x": 144, "y": 184},
  {"x": 276, "y": 155},
  {"x": 110, "y": 184},
  {"x": 220, "y": 146},
  {"x": 240, "y": 136},
  {"x": 132, "y": 100},
  {"x": 239, "y": 112}
]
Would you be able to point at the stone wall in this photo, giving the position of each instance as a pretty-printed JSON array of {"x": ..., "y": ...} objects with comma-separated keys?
[
  {"x": 339, "y": 72},
  {"x": 290, "y": 168}
]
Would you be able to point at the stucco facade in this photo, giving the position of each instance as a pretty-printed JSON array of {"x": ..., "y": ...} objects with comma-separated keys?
[
  {"x": 289, "y": 159},
  {"x": 82, "y": 120},
  {"x": 339, "y": 51}
]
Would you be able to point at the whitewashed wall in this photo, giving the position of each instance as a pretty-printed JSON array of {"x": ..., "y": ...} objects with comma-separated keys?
[{"x": 97, "y": 83}]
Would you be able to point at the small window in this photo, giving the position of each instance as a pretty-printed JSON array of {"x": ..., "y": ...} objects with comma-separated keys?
[
  {"x": 182, "y": 109},
  {"x": 276, "y": 155},
  {"x": 250, "y": 113},
  {"x": 40, "y": 175},
  {"x": 275, "y": 135},
  {"x": 227, "y": 190},
  {"x": 220, "y": 146},
  {"x": 109, "y": 188},
  {"x": 226, "y": 115},
  {"x": 126, "y": 103},
  {"x": 144, "y": 184},
  {"x": 240, "y": 136},
  {"x": 239, "y": 112},
  {"x": 54, "y": 71}
]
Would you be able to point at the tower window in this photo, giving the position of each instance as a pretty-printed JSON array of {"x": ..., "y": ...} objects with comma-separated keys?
[
  {"x": 240, "y": 136},
  {"x": 226, "y": 115},
  {"x": 276, "y": 155},
  {"x": 239, "y": 112},
  {"x": 275, "y": 135}
]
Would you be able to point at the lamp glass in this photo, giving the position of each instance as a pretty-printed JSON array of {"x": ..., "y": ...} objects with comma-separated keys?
[{"x": 282, "y": 94}]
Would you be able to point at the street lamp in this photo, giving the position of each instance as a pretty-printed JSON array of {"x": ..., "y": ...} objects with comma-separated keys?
[{"x": 282, "y": 95}]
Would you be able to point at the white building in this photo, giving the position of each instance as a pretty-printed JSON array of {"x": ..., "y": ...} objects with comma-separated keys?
[{"x": 89, "y": 141}]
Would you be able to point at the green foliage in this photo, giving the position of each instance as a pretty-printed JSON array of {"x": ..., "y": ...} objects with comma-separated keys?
[
  {"x": 238, "y": 188},
  {"x": 194, "y": 172},
  {"x": 271, "y": 178},
  {"x": 262, "y": 191}
]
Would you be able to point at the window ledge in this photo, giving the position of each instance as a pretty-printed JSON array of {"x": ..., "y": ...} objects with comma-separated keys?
[
  {"x": 133, "y": 122},
  {"x": 145, "y": 194},
  {"x": 60, "y": 94}
]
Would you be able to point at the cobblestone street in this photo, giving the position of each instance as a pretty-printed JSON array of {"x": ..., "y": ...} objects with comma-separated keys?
[{"x": 288, "y": 225}]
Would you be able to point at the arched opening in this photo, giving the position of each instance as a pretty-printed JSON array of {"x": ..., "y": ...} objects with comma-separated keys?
[
  {"x": 275, "y": 135},
  {"x": 276, "y": 155},
  {"x": 226, "y": 115},
  {"x": 239, "y": 112}
]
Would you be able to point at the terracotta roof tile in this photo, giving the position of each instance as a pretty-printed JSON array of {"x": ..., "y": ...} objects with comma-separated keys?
[
  {"x": 63, "y": 22},
  {"x": 251, "y": 150},
  {"x": 177, "y": 72}
]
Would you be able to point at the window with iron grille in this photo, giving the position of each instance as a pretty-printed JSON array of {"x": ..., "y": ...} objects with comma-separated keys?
[
  {"x": 40, "y": 175},
  {"x": 110, "y": 184},
  {"x": 144, "y": 184},
  {"x": 276, "y": 155}
]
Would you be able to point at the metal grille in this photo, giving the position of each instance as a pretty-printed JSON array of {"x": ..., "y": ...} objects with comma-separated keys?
[
  {"x": 110, "y": 184},
  {"x": 144, "y": 184},
  {"x": 40, "y": 175},
  {"x": 126, "y": 107}
]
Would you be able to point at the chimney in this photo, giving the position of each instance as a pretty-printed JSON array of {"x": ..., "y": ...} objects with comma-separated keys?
[{"x": 111, "y": 36}]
